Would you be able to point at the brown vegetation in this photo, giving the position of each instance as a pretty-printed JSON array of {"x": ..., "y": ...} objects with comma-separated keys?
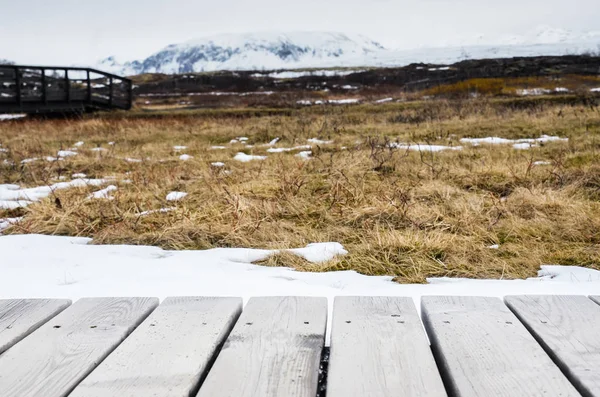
[{"x": 403, "y": 213}]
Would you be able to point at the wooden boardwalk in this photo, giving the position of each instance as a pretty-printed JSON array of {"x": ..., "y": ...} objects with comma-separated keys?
[
  {"x": 210, "y": 347},
  {"x": 54, "y": 89}
]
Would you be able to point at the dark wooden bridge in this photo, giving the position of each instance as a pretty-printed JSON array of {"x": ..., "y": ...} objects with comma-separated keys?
[{"x": 49, "y": 89}]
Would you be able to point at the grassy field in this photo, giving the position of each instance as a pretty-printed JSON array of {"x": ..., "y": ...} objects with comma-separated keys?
[{"x": 409, "y": 214}]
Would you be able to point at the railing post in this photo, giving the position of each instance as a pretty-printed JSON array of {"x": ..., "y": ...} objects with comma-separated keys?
[
  {"x": 129, "y": 95},
  {"x": 67, "y": 85},
  {"x": 89, "y": 87},
  {"x": 110, "y": 95},
  {"x": 18, "y": 83},
  {"x": 44, "y": 88}
]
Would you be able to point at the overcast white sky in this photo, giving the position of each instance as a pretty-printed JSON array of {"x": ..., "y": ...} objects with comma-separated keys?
[{"x": 82, "y": 31}]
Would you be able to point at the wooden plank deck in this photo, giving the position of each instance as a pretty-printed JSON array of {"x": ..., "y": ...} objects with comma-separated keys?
[
  {"x": 168, "y": 353},
  {"x": 62, "y": 352},
  {"x": 379, "y": 348},
  {"x": 546, "y": 346},
  {"x": 274, "y": 350},
  {"x": 20, "y": 317},
  {"x": 483, "y": 350},
  {"x": 567, "y": 327}
]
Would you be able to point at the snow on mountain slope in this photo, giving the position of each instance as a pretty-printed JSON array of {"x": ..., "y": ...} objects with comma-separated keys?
[
  {"x": 277, "y": 51},
  {"x": 254, "y": 51}
]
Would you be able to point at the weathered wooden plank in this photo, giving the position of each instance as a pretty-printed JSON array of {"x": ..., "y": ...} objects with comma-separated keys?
[
  {"x": 483, "y": 350},
  {"x": 274, "y": 350},
  {"x": 567, "y": 327},
  {"x": 379, "y": 349},
  {"x": 20, "y": 317},
  {"x": 55, "y": 358},
  {"x": 168, "y": 353}
]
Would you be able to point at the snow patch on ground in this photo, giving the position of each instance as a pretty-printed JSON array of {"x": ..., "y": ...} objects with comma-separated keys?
[
  {"x": 288, "y": 149},
  {"x": 419, "y": 147},
  {"x": 320, "y": 252},
  {"x": 6, "y": 222},
  {"x": 244, "y": 158},
  {"x": 569, "y": 274},
  {"x": 103, "y": 193},
  {"x": 218, "y": 164},
  {"x": 185, "y": 157},
  {"x": 295, "y": 75},
  {"x": 179, "y": 148},
  {"x": 533, "y": 91},
  {"x": 13, "y": 196},
  {"x": 525, "y": 143},
  {"x": 343, "y": 101},
  {"x": 176, "y": 196},
  {"x": 159, "y": 211},
  {"x": 4, "y": 117},
  {"x": 36, "y": 266},
  {"x": 305, "y": 155},
  {"x": 349, "y": 101},
  {"x": 218, "y": 147},
  {"x": 319, "y": 142},
  {"x": 65, "y": 153},
  {"x": 523, "y": 146}
]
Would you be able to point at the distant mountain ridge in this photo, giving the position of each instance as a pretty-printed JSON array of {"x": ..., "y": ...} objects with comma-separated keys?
[
  {"x": 297, "y": 50},
  {"x": 253, "y": 51}
]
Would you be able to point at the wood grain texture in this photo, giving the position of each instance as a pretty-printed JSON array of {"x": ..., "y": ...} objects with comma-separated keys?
[
  {"x": 483, "y": 350},
  {"x": 568, "y": 328},
  {"x": 55, "y": 358},
  {"x": 273, "y": 351},
  {"x": 20, "y": 317},
  {"x": 379, "y": 349},
  {"x": 168, "y": 353}
]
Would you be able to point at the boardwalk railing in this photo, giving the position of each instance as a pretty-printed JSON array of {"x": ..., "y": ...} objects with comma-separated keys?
[{"x": 42, "y": 89}]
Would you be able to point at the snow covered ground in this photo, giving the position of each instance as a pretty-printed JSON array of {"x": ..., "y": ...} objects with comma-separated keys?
[
  {"x": 519, "y": 144},
  {"x": 13, "y": 196},
  {"x": 4, "y": 117},
  {"x": 421, "y": 147},
  {"x": 36, "y": 266}
]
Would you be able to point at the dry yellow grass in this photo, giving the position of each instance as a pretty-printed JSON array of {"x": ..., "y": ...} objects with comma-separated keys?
[
  {"x": 510, "y": 86},
  {"x": 407, "y": 214}
]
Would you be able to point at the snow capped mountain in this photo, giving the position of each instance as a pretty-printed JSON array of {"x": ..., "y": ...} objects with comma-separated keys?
[
  {"x": 254, "y": 51},
  {"x": 275, "y": 51}
]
